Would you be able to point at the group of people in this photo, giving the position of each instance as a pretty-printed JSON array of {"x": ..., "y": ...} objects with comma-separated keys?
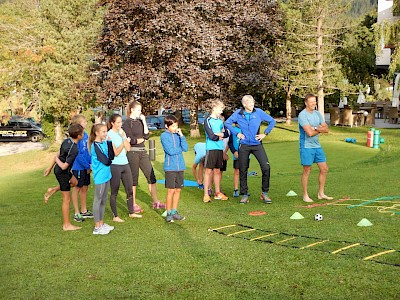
[
  {"x": 242, "y": 130},
  {"x": 115, "y": 152}
]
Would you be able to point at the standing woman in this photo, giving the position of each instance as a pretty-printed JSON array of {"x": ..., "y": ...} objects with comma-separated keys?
[
  {"x": 136, "y": 129},
  {"x": 120, "y": 166}
]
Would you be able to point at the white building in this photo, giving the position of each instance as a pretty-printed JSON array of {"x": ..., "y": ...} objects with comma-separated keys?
[{"x": 385, "y": 12}]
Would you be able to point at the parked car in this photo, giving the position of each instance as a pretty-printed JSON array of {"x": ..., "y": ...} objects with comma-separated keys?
[
  {"x": 155, "y": 122},
  {"x": 20, "y": 130},
  {"x": 201, "y": 116}
]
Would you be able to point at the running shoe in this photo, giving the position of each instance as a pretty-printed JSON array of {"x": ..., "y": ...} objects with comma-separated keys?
[
  {"x": 264, "y": 198},
  {"x": 78, "y": 218}
]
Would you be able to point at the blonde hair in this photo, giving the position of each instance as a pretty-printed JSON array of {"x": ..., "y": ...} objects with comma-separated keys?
[
  {"x": 247, "y": 98},
  {"x": 77, "y": 119},
  {"x": 217, "y": 103}
]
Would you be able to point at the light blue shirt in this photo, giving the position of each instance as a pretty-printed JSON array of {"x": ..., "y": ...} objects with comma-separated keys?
[
  {"x": 200, "y": 149},
  {"x": 117, "y": 140},
  {"x": 314, "y": 119}
]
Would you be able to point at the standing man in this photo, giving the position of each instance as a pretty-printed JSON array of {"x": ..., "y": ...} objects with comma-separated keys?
[
  {"x": 311, "y": 124},
  {"x": 249, "y": 120}
]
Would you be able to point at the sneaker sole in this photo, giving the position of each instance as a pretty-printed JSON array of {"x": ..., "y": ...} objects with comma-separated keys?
[
  {"x": 100, "y": 233},
  {"x": 87, "y": 217}
]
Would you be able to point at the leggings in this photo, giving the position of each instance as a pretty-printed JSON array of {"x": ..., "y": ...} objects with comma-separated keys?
[
  {"x": 121, "y": 172},
  {"x": 100, "y": 199}
]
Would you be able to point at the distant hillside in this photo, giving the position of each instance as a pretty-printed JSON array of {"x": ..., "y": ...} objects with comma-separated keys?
[{"x": 362, "y": 7}]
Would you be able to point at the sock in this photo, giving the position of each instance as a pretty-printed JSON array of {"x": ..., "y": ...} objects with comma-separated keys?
[{"x": 173, "y": 211}]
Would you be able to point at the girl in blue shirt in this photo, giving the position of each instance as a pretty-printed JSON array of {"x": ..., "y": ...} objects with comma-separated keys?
[{"x": 102, "y": 153}]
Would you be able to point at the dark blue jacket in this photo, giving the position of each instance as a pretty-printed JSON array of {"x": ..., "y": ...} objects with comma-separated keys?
[{"x": 252, "y": 127}]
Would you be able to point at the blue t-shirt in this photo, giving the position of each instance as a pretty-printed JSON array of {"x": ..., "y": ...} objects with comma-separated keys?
[
  {"x": 212, "y": 126},
  {"x": 314, "y": 119},
  {"x": 200, "y": 150},
  {"x": 101, "y": 172},
  {"x": 117, "y": 140}
]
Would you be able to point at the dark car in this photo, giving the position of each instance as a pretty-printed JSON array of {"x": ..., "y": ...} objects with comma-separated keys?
[
  {"x": 155, "y": 122},
  {"x": 20, "y": 130}
]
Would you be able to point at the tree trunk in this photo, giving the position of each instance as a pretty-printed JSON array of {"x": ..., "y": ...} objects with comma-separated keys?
[
  {"x": 58, "y": 131},
  {"x": 194, "y": 125},
  {"x": 320, "y": 64},
  {"x": 288, "y": 107}
]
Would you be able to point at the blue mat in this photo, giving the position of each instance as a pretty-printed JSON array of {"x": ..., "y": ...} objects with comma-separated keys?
[{"x": 185, "y": 182}]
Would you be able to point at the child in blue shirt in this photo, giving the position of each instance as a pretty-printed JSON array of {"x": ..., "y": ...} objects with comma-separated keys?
[
  {"x": 214, "y": 161},
  {"x": 174, "y": 144},
  {"x": 102, "y": 154}
]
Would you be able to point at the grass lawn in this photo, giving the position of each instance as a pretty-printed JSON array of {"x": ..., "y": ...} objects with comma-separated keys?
[{"x": 149, "y": 259}]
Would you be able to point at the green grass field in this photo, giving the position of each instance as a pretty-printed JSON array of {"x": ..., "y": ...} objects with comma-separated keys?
[{"x": 149, "y": 259}]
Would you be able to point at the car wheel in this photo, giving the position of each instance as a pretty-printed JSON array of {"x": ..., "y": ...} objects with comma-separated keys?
[{"x": 35, "y": 137}]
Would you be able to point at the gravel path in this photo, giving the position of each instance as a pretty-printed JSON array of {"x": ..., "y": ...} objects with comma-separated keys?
[{"x": 8, "y": 148}]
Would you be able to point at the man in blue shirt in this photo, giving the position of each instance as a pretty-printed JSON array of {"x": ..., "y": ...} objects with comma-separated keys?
[
  {"x": 311, "y": 124},
  {"x": 249, "y": 120}
]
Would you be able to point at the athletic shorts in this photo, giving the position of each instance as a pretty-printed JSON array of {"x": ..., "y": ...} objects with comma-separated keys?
[
  {"x": 308, "y": 156},
  {"x": 214, "y": 159},
  {"x": 236, "y": 164},
  {"x": 223, "y": 169},
  {"x": 63, "y": 179},
  {"x": 174, "y": 179},
  {"x": 82, "y": 176}
]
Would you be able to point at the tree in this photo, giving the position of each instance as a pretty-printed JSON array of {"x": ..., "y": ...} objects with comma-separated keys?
[
  {"x": 309, "y": 50},
  {"x": 45, "y": 53},
  {"x": 181, "y": 53}
]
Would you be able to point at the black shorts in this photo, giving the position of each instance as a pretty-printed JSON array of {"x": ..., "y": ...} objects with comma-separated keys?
[
  {"x": 223, "y": 169},
  {"x": 82, "y": 176},
  {"x": 63, "y": 179},
  {"x": 236, "y": 164},
  {"x": 174, "y": 179},
  {"x": 214, "y": 159}
]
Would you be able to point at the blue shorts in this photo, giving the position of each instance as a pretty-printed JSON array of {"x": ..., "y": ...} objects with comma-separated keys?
[{"x": 308, "y": 156}]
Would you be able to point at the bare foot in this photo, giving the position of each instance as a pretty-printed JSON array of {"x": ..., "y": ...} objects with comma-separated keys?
[
  {"x": 320, "y": 197},
  {"x": 49, "y": 193},
  {"x": 135, "y": 216},
  {"x": 118, "y": 219},
  {"x": 307, "y": 199},
  {"x": 70, "y": 227}
]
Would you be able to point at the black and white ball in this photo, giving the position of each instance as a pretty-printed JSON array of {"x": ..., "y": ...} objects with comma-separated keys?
[{"x": 318, "y": 217}]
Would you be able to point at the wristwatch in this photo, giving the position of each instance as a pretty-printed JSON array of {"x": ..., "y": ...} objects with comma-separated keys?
[{"x": 316, "y": 129}]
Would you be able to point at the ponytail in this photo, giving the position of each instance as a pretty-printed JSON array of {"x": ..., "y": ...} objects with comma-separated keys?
[{"x": 92, "y": 136}]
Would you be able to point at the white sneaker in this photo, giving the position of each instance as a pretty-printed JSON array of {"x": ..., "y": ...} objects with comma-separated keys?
[
  {"x": 100, "y": 230},
  {"x": 108, "y": 227}
]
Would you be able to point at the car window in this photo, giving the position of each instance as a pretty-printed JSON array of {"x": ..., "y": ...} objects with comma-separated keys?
[{"x": 25, "y": 125}]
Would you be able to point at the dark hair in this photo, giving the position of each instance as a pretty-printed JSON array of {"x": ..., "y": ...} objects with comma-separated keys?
[
  {"x": 308, "y": 96},
  {"x": 132, "y": 105},
  {"x": 92, "y": 135},
  {"x": 112, "y": 120},
  {"x": 170, "y": 119},
  {"x": 74, "y": 130}
]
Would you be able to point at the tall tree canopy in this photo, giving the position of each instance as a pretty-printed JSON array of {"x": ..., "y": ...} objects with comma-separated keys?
[{"x": 177, "y": 53}]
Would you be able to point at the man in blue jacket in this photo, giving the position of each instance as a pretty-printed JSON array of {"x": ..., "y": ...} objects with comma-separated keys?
[{"x": 249, "y": 120}]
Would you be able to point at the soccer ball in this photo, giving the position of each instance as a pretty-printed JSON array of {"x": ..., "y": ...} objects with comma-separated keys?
[{"x": 318, "y": 217}]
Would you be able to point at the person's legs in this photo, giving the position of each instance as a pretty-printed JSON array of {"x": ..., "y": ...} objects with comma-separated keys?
[
  {"x": 134, "y": 158},
  {"x": 97, "y": 202},
  {"x": 217, "y": 180},
  {"x": 207, "y": 175},
  {"x": 148, "y": 171},
  {"x": 114, "y": 186},
  {"x": 244, "y": 152},
  {"x": 126, "y": 177},
  {"x": 103, "y": 201},
  {"x": 304, "y": 183},
  {"x": 323, "y": 171},
  {"x": 75, "y": 194},
  {"x": 262, "y": 158},
  {"x": 83, "y": 195},
  {"x": 67, "y": 226},
  {"x": 50, "y": 192}
]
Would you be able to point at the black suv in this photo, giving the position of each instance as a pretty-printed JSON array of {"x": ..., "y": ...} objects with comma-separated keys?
[{"x": 20, "y": 130}]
